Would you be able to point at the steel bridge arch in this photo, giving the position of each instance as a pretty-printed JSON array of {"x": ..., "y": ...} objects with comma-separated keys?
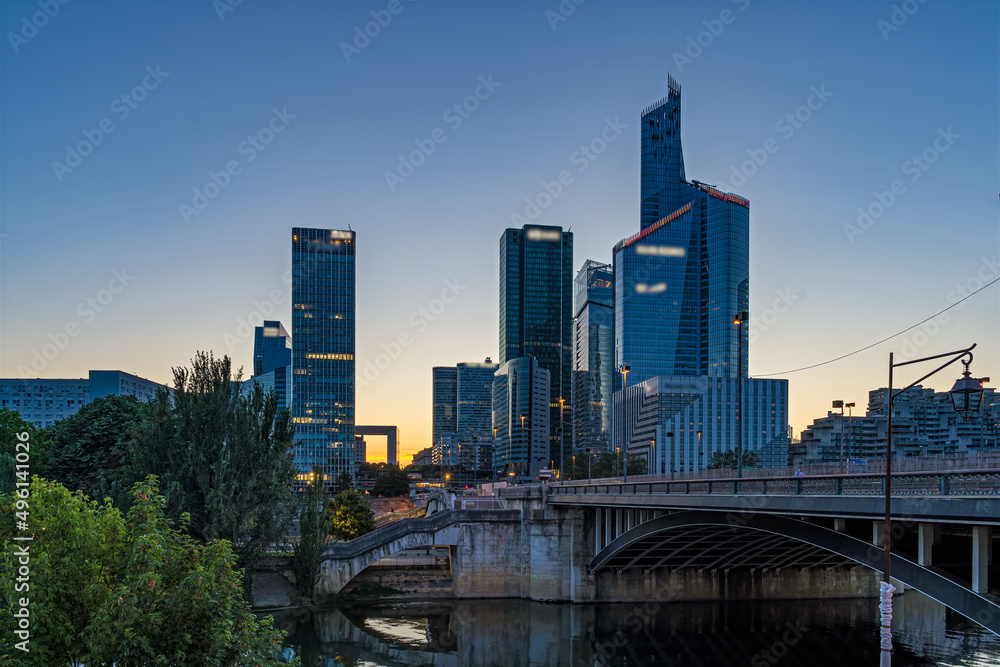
[{"x": 935, "y": 585}]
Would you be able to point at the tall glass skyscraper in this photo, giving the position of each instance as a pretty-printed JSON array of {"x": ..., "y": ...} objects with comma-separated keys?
[
  {"x": 536, "y": 316},
  {"x": 272, "y": 347},
  {"x": 682, "y": 278},
  {"x": 444, "y": 392},
  {"x": 679, "y": 282},
  {"x": 593, "y": 356},
  {"x": 323, "y": 320}
]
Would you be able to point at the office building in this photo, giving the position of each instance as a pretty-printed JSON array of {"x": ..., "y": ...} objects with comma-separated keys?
[
  {"x": 679, "y": 284},
  {"x": 536, "y": 316},
  {"x": 276, "y": 380},
  {"x": 521, "y": 413},
  {"x": 44, "y": 401},
  {"x": 593, "y": 356},
  {"x": 323, "y": 361},
  {"x": 677, "y": 423},
  {"x": 444, "y": 407},
  {"x": 680, "y": 280},
  {"x": 272, "y": 347}
]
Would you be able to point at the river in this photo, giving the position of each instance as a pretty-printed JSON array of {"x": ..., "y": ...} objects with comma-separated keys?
[{"x": 509, "y": 633}]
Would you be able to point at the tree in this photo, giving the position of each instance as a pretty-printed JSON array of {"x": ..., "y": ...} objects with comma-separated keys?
[
  {"x": 126, "y": 590},
  {"x": 727, "y": 459},
  {"x": 224, "y": 456},
  {"x": 344, "y": 481},
  {"x": 89, "y": 451},
  {"x": 392, "y": 483},
  {"x": 605, "y": 464},
  {"x": 34, "y": 454},
  {"x": 350, "y": 515},
  {"x": 313, "y": 535}
]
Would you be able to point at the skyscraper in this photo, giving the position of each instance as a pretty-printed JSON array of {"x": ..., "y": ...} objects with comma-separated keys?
[
  {"x": 521, "y": 415},
  {"x": 272, "y": 347},
  {"x": 444, "y": 392},
  {"x": 679, "y": 284},
  {"x": 593, "y": 356},
  {"x": 680, "y": 280},
  {"x": 536, "y": 315},
  {"x": 323, "y": 320}
]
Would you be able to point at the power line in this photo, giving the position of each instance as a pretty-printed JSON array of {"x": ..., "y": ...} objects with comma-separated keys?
[{"x": 868, "y": 347}]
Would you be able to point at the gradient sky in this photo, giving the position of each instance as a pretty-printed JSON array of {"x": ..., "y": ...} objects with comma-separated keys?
[{"x": 816, "y": 289}]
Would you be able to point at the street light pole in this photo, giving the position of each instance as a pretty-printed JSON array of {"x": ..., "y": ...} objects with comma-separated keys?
[
  {"x": 840, "y": 404},
  {"x": 624, "y": 369},
  {"x": 562, "y": 433},
  {"x": 850, "y": 434},
  {"x": 962, "y": 395},
  {"x": 738, "y": 320}
]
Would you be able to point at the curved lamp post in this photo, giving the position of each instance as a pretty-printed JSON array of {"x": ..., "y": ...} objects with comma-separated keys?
[{"x": 966, "y": 396}]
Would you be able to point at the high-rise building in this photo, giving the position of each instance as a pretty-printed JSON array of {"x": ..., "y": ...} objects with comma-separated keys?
[
  {"x": 679, "y": 284},
  {"x": 593, "y": 356},
  {"x": 44, "y": 401},
  {"x": 474, "y": 400},
  {"x": 463, "y": 414},
  {"x": 323, "y": 365},
  {"x": 682, "y": 278},
  {"x": 521, "y": 415},
  {"x": 444, "y": 401},
  {"x": 272, "y": 347},
  {"x": 536, "y": 316}
]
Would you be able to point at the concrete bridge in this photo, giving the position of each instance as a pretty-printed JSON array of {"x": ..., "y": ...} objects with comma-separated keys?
[{"x": 750, "y": 538}]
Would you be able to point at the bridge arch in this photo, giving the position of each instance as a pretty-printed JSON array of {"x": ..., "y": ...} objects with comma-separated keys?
[{"x": 710, "y": 540}]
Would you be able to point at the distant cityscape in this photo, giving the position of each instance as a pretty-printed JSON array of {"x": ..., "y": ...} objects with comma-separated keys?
[{"x": 647, "y": 355}]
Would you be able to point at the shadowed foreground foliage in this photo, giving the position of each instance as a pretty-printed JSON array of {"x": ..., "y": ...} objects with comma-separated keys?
[{"x": 128, "y": 590}]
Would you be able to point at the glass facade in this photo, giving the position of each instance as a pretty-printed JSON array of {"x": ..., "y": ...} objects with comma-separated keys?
[
  {"x": 272, "y": 347},
  {"x": 475, "y": 398},
  {"x": 593, "y": 356},
  {"x": 677, "y": 423},
  {"x": 444, "y": 391},
  {"x": 521, "y": 415},
  {"x": 323, "y": 366},
  {"x": 683, "y": 277},
  {"x": 536, "y": 315}
]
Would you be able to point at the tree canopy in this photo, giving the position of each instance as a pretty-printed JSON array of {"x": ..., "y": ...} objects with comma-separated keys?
[
  {"x": 605, "y": 464},
  {"x": 350, "y": 515},
  {"x": 224, "y": 456},
  {"x": 90, "y": 450},
  {"x": 36, "y": 452},
  {"x": 391, "y": 483},
  {"x": 129, "y": 590},
  {"x": 727, "y": 459}
]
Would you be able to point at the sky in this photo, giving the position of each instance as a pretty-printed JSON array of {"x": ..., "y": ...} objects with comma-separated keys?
[{"x": 154, "y": 157}]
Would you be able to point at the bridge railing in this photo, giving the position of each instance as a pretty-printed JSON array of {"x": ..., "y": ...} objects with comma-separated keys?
[{"x": 958, "y": 483}]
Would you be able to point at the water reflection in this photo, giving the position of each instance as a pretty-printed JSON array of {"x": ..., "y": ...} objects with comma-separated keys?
[{"x": 518, "y": 632}]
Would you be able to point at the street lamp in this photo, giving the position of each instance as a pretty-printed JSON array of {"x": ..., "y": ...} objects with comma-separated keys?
[
  {"x": 624, "y": 369},
  {"x": 850, "y": 431},
  {"x": 738, "y": 320},
  {"x": 966, "y": 396},
  {"x": 494, "y": 457},
  {"x": 840, "y": 404},
  {"x": 562, "y": 435}
]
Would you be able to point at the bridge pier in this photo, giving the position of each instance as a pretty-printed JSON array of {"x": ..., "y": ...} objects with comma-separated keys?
[
  {"x": 925, "y": 543},
  {"x": 981, "y": 557}
]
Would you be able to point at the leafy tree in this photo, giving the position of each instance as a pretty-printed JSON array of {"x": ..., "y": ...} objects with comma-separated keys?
[
  {"x": 605, "y": 464},
  {"x": 89, "y": 451},
  {"x": 344, "y": 481},
  {"x": 727, "y": 459},
  {"x": 393, "y": 482},
  {"x": 224, "y": 456},
  {"x": 126, "y": 590},
  {"x": 11, "y": 424},
  {"x": 350, "y": 515},
  {"x": 313, "y": 536}
]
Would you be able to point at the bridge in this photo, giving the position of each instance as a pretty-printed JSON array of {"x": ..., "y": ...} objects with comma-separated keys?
[{"x": 798, "y": 537}]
